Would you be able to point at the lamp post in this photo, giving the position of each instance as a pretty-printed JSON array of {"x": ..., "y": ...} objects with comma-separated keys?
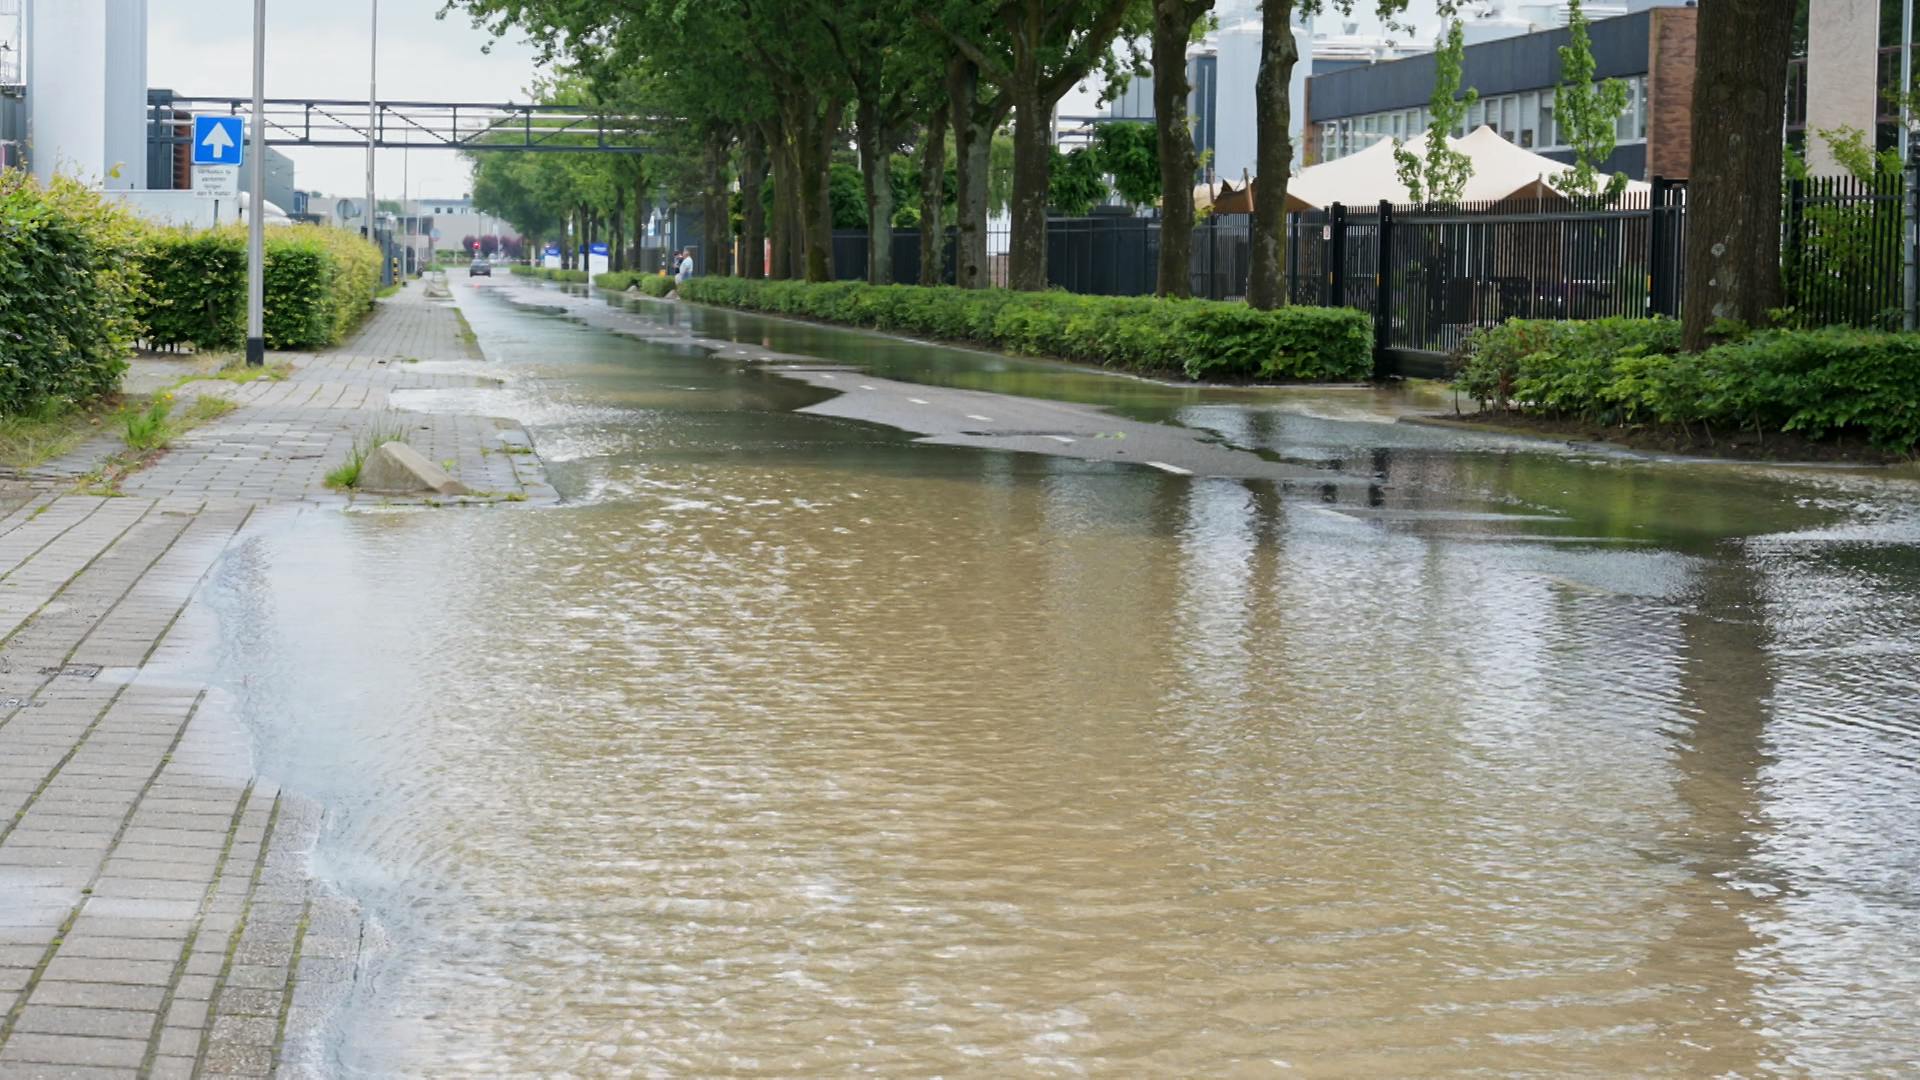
[
  {"x": 257, "y": 203},
  {"x": 373, "y": 78}
]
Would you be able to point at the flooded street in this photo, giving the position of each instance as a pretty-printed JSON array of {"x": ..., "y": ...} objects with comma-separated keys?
[{"x": 789, "y": 745}]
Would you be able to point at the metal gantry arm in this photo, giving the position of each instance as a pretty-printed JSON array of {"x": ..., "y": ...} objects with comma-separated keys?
[{"x": 418, "y": 125}]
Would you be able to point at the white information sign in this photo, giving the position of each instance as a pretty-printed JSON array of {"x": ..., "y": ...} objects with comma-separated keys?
[{"x": 216, "y": 181}]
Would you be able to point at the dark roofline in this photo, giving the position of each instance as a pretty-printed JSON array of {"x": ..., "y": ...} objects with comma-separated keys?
[{"x": 1527, "y": 62}]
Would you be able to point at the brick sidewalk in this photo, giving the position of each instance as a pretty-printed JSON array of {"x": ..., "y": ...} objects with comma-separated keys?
[{"x": 156, "y": 918}]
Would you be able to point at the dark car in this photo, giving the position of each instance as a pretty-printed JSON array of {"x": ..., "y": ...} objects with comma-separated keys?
[{"x": 479, "y": 268}]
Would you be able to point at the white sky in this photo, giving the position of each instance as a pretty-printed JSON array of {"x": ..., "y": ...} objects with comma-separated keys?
[{"x": 320, "y": 50}]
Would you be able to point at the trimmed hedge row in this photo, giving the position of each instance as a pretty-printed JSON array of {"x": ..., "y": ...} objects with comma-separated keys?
[
  {"x": 1201, "y": 339},
  {"x": 68, "y": 294},
  {"x": 318, "y": 284},
  {"x": 575, "y": 277},
  {"x": 1618, "y": 372},
  {"x": 655, "y": 285}
]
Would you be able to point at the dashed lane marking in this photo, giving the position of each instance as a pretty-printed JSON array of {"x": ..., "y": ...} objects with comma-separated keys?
[
  {"x": 1174, "y": 469},
  {"x": 916, "y": 401},
  {"x": 1057, "y": 438},
  {"x": 982, "y": 419}
]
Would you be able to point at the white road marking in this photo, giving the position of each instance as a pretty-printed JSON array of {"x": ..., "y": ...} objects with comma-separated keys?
[
  {"x": 1057, "y": 438},
  {"x": 982, "y": 419},
  {"x": 916, "y": 401},
  {"x": 1174, "y": 469},
  {"x": 864, "y": 386},
  {"x": 826, "y": 376}
]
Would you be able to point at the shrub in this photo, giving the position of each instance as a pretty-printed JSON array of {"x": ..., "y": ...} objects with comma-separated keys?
[
  {"x": 572, "y": 276},
  {"x": 1201, "y": 339},
  {"x": 317, "y": 284},
  {"x": 655, "y": 285},
  {"x": 69, "y": 292},
  {"x": 1819, "y": 383}
]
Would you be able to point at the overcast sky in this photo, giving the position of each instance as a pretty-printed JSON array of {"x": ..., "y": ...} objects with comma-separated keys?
[{"x": 320, "y": 50}]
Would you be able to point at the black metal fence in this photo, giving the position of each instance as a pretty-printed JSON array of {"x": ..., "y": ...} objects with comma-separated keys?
[{"x": 1432, "y": 276}]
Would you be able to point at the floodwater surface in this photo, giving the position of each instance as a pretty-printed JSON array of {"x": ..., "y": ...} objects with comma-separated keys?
[{"x": 788, "y": 746}]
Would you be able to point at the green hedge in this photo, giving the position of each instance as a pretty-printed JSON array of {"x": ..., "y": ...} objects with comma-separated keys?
[
  {"x": 1819, "y": 383},
  {"x": 69, "y": 290},
  {"x": 318, "y": 284},
  {"x": 1201, "y": 339},
  {"x": 655, "y": 285},
  {"x": 575, "y": 277}
]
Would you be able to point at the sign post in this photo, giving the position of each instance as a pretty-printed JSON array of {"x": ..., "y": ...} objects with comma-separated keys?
[{"x": 257, "y": 203}]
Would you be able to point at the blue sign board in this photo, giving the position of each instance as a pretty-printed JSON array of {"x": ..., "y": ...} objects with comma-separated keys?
[
  {"x": 598, "y": 249},
  {"x": 554, "y": 250},
  {"x": 219, "y": 140}
]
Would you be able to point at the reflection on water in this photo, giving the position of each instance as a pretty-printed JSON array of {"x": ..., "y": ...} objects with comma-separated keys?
[{"x": 792, "y": 746}]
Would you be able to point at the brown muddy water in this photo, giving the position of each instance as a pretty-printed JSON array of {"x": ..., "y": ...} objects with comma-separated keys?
[{"x": 790, "y": 747}]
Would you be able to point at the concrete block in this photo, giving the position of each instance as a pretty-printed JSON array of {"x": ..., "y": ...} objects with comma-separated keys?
[{"x": 398, "y": 469}]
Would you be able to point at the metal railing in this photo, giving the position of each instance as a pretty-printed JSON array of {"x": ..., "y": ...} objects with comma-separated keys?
[{"x": 416, "y": 125}]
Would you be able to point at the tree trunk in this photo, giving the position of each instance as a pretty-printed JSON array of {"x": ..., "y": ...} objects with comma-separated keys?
[
  {"x": 816, "y": 218},
  {"x": 1733, "y": 196},
  {"x": 933, "y": 191},
  {"x": 640, "y": 222},
  {"x": 1172, "y": 30},
  {"x": 973, "y": 155},
  {"x": 783, "y": 201},
  {"x": 876, "y": 174},
  {"x": 753, "y": 177},
  {"x": 1032, "y": 169},
  {"x": 616, "y": 229},
  {"x": 716, "y": 228},
  {"x": 1273, "y": 156}
]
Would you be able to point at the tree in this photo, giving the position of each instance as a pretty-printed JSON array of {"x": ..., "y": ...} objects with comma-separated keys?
[
  {"x": 1074, "y": 185},
  {"x": 1273, "y": 151},
  {"x": 1035, "y": 51},
  {"x": 1130, "y": 154},
  {"x": 1174, "y": 22},
  {"x": 1586, "y": 116},
  {"x": 1733, "y": 197},
  {"x": 1441, "y": 177},
  {"x": 933, "y": 195}
]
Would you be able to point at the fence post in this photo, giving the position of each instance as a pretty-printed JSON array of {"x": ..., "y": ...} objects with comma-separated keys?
[
  {"x": 1382, "y": 290},
  {"x": 1796, "y": 235},
  {"x": 1910, "y": 248},
  {"x": 1334, "y": 257},
  {"x": 1657, "y": 269},
  {"x": 1293, "y": 254}
]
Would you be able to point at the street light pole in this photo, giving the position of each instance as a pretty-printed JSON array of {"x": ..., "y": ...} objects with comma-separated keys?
[
  {"x": 257, "y": 202},
  {"x": 373, "y": 78}
]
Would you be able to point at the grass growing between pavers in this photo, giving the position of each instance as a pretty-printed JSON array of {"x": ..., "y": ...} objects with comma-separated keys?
[
  {"x": 149, "y": 428},
  {"x": 347, "y": 475},
  {"x": 28, "y": 441}
]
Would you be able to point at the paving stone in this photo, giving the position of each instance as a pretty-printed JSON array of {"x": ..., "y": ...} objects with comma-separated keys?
[
  {"x": 73, "y": 1050},
  {"x": 73, "y": 1020}
]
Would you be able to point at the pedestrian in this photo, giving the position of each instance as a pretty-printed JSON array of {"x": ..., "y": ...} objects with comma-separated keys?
[{"x": 686, "y": 266}]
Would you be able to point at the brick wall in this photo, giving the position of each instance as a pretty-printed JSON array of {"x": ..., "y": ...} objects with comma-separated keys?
[{"x": 1671, "y": 45}]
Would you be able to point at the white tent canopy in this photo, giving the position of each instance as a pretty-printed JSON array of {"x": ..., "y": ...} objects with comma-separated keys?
[{"x": 1501, "y": 171}]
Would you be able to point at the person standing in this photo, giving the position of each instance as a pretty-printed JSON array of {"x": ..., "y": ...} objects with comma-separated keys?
[{"x": 686, "y": 266}]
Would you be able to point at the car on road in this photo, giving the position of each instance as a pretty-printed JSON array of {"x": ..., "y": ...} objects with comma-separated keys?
[{"x": 479, "y": 268}]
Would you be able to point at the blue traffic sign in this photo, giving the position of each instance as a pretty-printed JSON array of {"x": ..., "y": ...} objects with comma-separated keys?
[{"x": 219, "y": 140}]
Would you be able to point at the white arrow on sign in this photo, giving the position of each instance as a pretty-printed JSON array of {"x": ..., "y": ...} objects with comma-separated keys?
[{"x": 218, "y": 140}]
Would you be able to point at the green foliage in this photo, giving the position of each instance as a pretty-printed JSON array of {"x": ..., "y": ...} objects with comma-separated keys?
[
  {"x": 1441, "y": 177},
  {"x": 1585, "y": 115},
  {"x": 546, "y": 273},
  {"x": 655, "y": 285},
  {"x": 1819, "y": 383},
  {"x": 148, "y": 428},
  {"x": 1074, "y": 183},
  {"x": 1130, "y": 153},
  {"x": 1200, "y": 339},
  {"x": 847, "y": 194},
  {"x": 69, "y": 292},
  {"x": 1839, "y": 256},
  {"x": 318, "y": 284}
]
